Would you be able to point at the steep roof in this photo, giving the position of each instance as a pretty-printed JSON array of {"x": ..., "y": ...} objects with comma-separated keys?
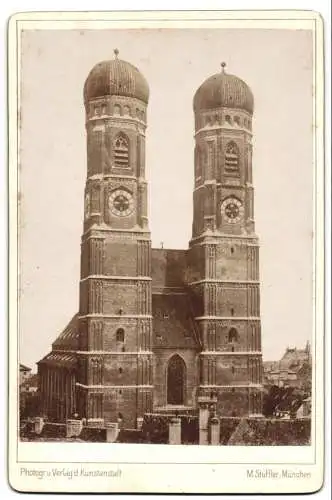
[
  {"x": 173, "y": 323},
  {"x": 69, "y": 337},
  {"x": 168, "y": 267},
  {"x": 59, "y": 359},
  {"x": 24, "y": 368},
  {"x": 294, "y": 358}
]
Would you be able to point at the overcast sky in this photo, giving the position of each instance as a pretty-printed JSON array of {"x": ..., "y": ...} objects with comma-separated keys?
[{"x": 276, "y": 64}]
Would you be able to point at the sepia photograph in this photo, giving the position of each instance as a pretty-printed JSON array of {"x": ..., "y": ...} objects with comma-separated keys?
[{"x": 166, "y": 240}]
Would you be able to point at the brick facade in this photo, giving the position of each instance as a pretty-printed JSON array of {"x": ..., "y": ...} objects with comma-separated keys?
[{"x": 156, "y": 326}]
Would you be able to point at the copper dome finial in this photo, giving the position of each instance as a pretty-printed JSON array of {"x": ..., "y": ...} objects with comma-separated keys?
[
  {"x": 116, "y": 52},
  {"x": 223, "y": 65}
]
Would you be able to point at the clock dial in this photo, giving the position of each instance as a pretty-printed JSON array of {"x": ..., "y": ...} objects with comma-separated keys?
[
  {"x": 121, "y": 203},
  {"x": 232, "y": 210}
]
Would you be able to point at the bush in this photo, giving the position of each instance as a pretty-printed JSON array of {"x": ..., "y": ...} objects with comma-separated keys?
[
  {"x": 227, "y": 427},
  {"x": 271, "y": 432}
]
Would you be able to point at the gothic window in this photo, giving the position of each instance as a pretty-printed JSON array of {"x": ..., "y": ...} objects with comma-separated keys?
[
  {"x": 121, "y": 151},
  {"x": 233, "y": 336},
  {"x": 176, "y": 380},
  {"x": 120, "y": 335},
  {"x": 232, "y": 160}
]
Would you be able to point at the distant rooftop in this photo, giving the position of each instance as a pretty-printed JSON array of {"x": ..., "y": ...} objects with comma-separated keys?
[{"x": 24, "y": 368}]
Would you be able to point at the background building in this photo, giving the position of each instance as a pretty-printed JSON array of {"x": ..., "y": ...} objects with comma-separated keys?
[
  {"x": 157, "y": 328},
  {"x": 25, "y": 372},
  {"x": 293, "y": 369}
]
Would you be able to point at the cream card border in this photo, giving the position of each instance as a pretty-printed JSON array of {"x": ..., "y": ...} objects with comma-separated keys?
[{"x": 154, "y": 468}]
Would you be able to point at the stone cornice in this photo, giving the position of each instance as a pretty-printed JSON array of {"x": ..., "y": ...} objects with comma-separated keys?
[
  {"x": 115, "y": 353},
  {"x": 115, "y": 316},
  {"x": 215, "y": 237},
  {"x": 233, "y": 386},
  {"x": 224, "y": 282},
  {"x": 112, "y": 387},
  {"x": 231, "y": 353},
  {"x": 223, "y": 128},
  {"x": 103, "y": 277},
  {"x": 136, "y": 232},
  {"x": 227, "y": 318}
]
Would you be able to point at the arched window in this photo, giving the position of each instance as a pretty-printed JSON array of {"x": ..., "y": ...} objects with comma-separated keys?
[
  {"x": 121, "y": 151},
  {"x": 237, "y": 120},
  {"x": 176, "y": 380},
  {"x": 117, "y": 109},
  {"x": 120, "y": 335},
  {"x": 126, "y": 111},
  {"x": 232, "y": 159},
  {"x": 228, "y": 119},
  {"x": 233, "y": 336}
]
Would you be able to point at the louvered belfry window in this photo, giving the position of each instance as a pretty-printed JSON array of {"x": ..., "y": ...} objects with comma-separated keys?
[
  {"x": 232, "y": 160},
  {"x": 121, "y": 151}
]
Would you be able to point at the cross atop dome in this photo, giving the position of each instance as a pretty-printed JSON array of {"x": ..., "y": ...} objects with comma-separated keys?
[
  {"x": 223, "y": 66},
  {"x": 116, "y": 53}
]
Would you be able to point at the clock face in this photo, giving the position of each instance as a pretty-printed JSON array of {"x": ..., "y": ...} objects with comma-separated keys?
[
  {"x": 121, "y": 203},
  {"x": 232, "y": 210}
]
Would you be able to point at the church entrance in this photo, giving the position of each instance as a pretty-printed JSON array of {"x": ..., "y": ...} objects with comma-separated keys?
[{"x": 176, "y": 380}]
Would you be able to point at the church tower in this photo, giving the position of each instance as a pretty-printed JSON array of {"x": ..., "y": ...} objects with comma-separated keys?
[
  {"x": 114, "y": 378},
  {"x": 224, "y": 249}
]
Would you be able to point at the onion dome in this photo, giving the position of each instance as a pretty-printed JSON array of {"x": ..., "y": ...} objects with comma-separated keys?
[
  {"x": 116, "y": 77},
  {"x": 224, "y": 90}
]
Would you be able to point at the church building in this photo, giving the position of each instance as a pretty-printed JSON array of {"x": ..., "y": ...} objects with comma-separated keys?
[{"x": 159, "y": 328}]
